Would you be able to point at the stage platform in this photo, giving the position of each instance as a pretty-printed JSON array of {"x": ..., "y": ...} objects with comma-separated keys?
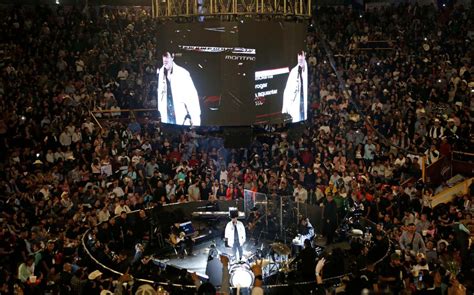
[
  {"x": 197, "y": 262},
  {"x": 168, "y": 270}
]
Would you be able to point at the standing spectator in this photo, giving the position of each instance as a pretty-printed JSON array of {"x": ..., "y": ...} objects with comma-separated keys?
[
  {"x": 300, "y": 193},
  {"x": 410, "y": 240},
  {"x": 329, "y": 219}
]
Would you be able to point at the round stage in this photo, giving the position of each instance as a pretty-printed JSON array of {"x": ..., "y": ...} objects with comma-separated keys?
[{"x": 153, "y": 258}]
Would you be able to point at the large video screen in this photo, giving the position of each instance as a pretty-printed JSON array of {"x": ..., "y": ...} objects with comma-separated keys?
[{"x": 232, "y": 73}]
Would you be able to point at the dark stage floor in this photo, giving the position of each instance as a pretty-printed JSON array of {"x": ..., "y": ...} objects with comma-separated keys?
[{"x": 198, "y": 262}]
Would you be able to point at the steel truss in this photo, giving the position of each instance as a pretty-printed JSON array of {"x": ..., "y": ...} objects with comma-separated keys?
[{"x": 227, "y": 9}]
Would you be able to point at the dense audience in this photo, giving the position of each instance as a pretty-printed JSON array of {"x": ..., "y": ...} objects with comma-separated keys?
[{"x": 63, "y": 172}]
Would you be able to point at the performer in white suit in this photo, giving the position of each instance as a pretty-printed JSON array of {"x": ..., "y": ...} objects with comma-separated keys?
[
  {"x": 178, "y": 100},
  {"x": 295, "y": 96},
  {"x": 235, "y": 236}
]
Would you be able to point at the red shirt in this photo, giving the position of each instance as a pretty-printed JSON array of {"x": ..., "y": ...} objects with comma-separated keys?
[{"x": 445, "y": 149}]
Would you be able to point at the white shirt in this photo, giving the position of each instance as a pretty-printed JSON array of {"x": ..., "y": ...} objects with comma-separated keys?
[
  {"x": 119, "y": 209},
  {"x": 76, "y": 136},
  {"x": 65, "y": 139},
  {"x": 115, "y": 108},
  {"x": 103, "y": 215},
  {"x": 194, "y": 194},
  {"x": 223, "y": 176},
  {"x": 50, "y": 158},
  {"x": 301, "y": 195},
  {"x": 79, "y": 66},
  {"x": 89, "y": 126},
  {"x": 118, "y": 191},
  {"x": 170, "y": 190},
  {"x": 185, "y": 96},
  {"x": 436, "y": 132},
  {"x": 291, "y": 95},
  {"x": 229, "y": 233}
]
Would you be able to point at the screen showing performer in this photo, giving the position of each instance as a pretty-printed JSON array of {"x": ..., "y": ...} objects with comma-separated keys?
[
  {"x": 229, "y": 74},
  {"x": 235, "y": 236},
  {"x": 295, "y": 96},
  {"x": 178, "y": 100}
]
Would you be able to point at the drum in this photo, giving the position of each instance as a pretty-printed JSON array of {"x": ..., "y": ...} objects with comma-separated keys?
[
  {"x": 270, "y": 269},
  {"x": 241, "y": 275}
]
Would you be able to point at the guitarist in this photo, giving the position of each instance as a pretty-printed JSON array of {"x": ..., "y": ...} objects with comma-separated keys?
[
  {"x": 180, "y": 241},
  {"x": 254, "y": 223}
]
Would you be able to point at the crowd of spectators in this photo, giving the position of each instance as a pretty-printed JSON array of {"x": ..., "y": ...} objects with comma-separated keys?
[{"x": 62, "y": 173}]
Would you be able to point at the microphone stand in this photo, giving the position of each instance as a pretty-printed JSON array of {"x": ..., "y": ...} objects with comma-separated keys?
[{"x": 188, "y": 116}]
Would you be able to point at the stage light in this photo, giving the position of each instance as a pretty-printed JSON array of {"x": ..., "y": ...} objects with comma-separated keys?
[
  {"x": 426, "y": 39},
  {"x": 57, "y": 2},
  {"x": 360, "y": 15},
  {"x": 378, "y": 63},
  {"x": 444, "y": 4}
]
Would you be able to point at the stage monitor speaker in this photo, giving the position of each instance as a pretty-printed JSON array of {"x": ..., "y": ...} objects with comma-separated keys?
[{"x": 237, "y": 137}]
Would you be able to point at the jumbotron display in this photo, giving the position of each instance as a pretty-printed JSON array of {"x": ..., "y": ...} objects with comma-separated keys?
[{"x": 232, "y": 73}]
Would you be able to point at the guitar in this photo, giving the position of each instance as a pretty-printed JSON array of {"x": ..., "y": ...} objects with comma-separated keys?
[
  {"x": 176, "y": 239},
  {"x": 253, "y": 224}
]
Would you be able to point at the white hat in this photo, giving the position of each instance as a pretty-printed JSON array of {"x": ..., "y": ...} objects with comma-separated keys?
[
  {"x": 458, "y": 103},
  {"x": 145, "y": 290},
  {"x": 426, "y": 47},
  {"x": 37, "y": 162},
  {"x": 94, "y": 275},
  {"x": 436, "y": 120},
  {"x": 106, "y": 292}
]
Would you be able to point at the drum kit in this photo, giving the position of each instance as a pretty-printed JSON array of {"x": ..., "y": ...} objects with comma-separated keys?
[
  {"x": 241, "y": 275},
  {"x": 275, "y": 264}
]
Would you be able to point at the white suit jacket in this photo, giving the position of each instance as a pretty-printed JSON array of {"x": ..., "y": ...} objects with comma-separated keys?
[
  {"x": 291, "y": 95},
  {"x": 229, "y": 233},
  {"x": 185, "y": 96}
]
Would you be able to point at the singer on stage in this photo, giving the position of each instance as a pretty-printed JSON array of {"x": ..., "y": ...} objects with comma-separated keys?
[
  {"x": 235, "y": 235},
  {"x": 178, "y": 100},
  {"x": 295, "y": 96}
]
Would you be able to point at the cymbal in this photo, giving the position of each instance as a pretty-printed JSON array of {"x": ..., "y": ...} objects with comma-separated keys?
[
  {"x": 281, "y": 248},
  {"x": 265, "y": 262},
  {"x": 285, "y": 269}
]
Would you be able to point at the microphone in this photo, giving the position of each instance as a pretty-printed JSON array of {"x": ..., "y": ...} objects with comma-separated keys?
[{"x": 188, "y": 116}]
